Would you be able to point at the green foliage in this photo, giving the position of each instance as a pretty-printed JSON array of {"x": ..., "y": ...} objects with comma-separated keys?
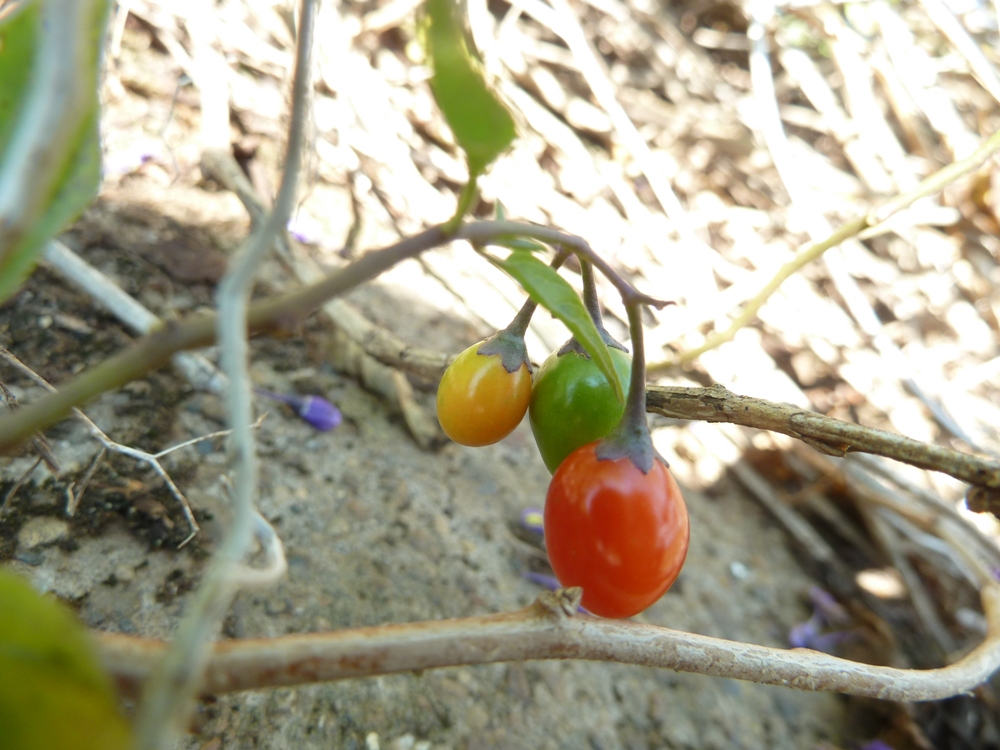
[
  {"x": 481, "y": 123},
  {"x": 17, "y": 47},
  {"x": 53, "y": 693},
  {"x": 80, "y": 175},
  {"x": 520, "y": 243},
  {"x": 554, "y": 293}
]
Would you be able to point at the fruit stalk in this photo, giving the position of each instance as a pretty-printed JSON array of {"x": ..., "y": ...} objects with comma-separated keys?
[{"x": 631, "y": 438}]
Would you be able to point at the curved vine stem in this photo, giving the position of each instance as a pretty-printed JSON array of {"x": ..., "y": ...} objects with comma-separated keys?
[
  {"x": 276, "y": 313},
  {"x": 549, "y": 629},
  {"x": 170, "y": 693}
]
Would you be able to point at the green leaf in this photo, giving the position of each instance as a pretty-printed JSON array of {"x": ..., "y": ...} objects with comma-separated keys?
[
  {"x": 481, "y": 123},
  {"x": 54, "y": 694},
  {"x": 79, "y": 177},
  {"x": 17, "y": 48},
  {"x": 520, "y": 243},
  {"x": 554, "y": 293}
]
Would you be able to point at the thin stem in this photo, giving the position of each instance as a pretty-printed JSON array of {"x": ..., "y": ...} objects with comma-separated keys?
[
  {"x": 171, "y": 690},
  {"x": 593, "y": 304},
  {"x": 279, "y": 312},
  {"x": 749, "y": 311},
  {"x": 107, "y": 444},
  {"x": 590, "y": 300},
  {"x": 482, "y": 233},
  {"x": 466, "y": 199},
  {"x": 631, "y": 439},
  {"x": 635, "y": 409},
  {"x": 519, "y": 325}
]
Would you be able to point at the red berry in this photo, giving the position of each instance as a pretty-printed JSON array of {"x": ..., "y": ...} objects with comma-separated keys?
[{"x": 620, "y": 534}]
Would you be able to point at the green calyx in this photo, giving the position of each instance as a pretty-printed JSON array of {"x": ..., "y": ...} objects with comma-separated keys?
[
  {"x": 572, "y": 402},
  {"x": 509, "y": 346},
  {"x": 572, "y": 345},
  {"x": 630, "y": 440}
]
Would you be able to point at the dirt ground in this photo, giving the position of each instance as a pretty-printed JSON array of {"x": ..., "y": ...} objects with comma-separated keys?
[{"x": 378, "y": 530}]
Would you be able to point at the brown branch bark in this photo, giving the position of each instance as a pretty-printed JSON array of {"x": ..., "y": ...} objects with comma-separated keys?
[
  {"x": 548, "y": 629},
  {"x": 831, "y": 436}
]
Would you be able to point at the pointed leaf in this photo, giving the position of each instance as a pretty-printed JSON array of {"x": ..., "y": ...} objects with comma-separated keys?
[
  {"x": 554, "y": 293},
  {"x": 481, "y": 123}
]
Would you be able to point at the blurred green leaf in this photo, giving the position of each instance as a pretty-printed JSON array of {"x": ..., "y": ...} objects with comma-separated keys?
[
  {"x": 520, "y": 243},
  {"x": 53, "y": 693},
  {"x": 481, "y": 123},
  {"x": 554, "y": 293},
  {"x": 78, "y": 180},
  {"x": 17, "y": 48}
]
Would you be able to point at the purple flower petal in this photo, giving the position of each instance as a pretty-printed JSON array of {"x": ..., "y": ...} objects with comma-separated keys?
[
  {"x": 803, "y": 634},
  {"x": 546, "y": 581},
  {"x": 875, "y": 745},
  {"x": 319, "y": 412},
  {"x": 316, "y": 410},
  {"x": 827, "y": 606},
  {"x": 827, "y": 642},
  {"x": 531, "y": 519}
]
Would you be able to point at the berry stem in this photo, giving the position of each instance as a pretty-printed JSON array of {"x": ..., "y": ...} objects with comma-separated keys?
[
  {"x": 631, "y": 439},
  {"x": 593, "y": 305},
  {"x": 519, "y": 325},
  {"x": 508, "y": 344},
  {"x": 486, "y": 232},
  {"x": 590, "y": 300}
]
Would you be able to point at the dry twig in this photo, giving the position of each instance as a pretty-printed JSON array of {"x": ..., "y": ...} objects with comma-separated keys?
[{"x": 107, "y": 444}]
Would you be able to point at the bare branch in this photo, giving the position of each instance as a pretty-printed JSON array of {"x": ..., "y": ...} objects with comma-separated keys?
[
  {"x": 830, "y": 436},
  {"x": 548, "y": 630}
]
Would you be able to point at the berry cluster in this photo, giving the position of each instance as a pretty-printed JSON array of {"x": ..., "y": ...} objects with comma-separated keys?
[{"x": 613, "y": 526}]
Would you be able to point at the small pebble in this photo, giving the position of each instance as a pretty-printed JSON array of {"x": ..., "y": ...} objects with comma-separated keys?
[
  {"x": 739, "y": 571},
  {"x": 30, "y": 558},
  {"x": 371, "y": 741},
  {"x": 41, "y": 531},
  {"x": 124, "y": 573}
]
